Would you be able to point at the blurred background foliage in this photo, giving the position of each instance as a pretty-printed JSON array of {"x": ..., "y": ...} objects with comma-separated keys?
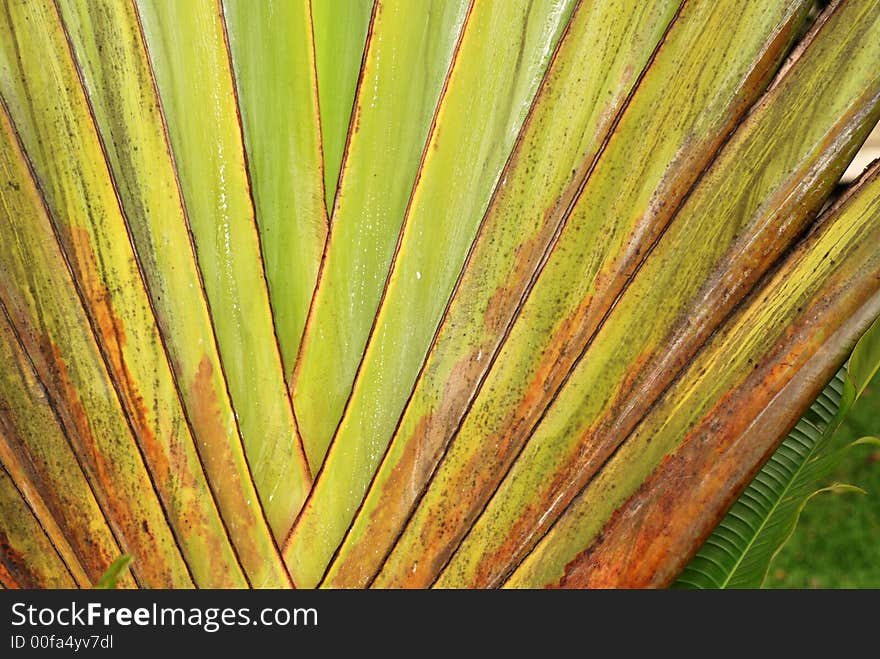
[{"x": 836, "y": 542}]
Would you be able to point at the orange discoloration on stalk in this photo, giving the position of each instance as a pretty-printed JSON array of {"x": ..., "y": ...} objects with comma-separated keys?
[
  {"x": 110, "y": 329},
  {"x": 206, "y": 409},
  {"x": 651, "y": 535},
  {"x": 210, "y": 428},
  {"x": 14, "y": 572},
  {"x": 171, "y": 465},
  {"x": 220, "y": 464},
  {"x": 587, "y": 457},
  {"x": 116, "y": 497},
  {"x": 399, "y": 491},
  {"x": 135, "y": 533},
  {"x": 404, "y": 485},
  {"x": 6, "y": 577},
  {"x": 73, "y": 411},
  {"x": 70, "y": 533}
]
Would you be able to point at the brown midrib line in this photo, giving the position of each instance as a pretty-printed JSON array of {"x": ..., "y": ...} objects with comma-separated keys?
[
  {"x": 727, "y": 574},
  {"x": 712, "y": 157},
  {"x": 204, "y": 294},
  {"x": 147, "y": 294},
  {"x": 111, "y": 525},
  {"x": 400, "y": 234},
  {"x": 33, "y": 468},
  {"x": 317, "y": 101},
  {"x": 354, "y": 102},
  {"x": 466, "y": 262},
  {"x": 22, "y": 463},
  {"x": 735, "y": 309},
  {"x": 39, "y": 522},
  {"x": 104, "y": 357},
  {"x": 259, "y": 239},
  {"x": 41, "y": 195},
  {"x": 676, "y": 378},
  {"x": 562, "y": 223},
  {"x": 30, "y": 469},
  {"x": 687, "y": 438},
  {"x": 319, "y": 277}
]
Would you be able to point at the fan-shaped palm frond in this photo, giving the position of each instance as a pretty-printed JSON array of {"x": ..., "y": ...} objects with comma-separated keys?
[{"x": 458, "y": 293}]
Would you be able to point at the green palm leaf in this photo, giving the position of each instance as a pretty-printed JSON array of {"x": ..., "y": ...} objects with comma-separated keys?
[
  {"x": 107, "y": 42},
  {"x": 110, "y": 579},
  {"x": 407, "y": 57},
  {"x": 340, "y": 29},
  {"x": 634, "y": 524},
  {"x": 477, "y": 122},
  {"x": 448, "y": 293},
  {"x": 739, "y": 552},
  {"x": 278, "y": 100},
  {"x": 210, "y": 160}
]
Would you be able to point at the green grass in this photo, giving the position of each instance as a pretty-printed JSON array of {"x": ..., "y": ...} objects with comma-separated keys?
[{"x": 837, "y": 542}]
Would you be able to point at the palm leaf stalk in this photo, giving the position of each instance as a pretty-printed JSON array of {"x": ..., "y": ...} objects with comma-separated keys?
[
  {"x": 453, "y": 294},
  {"x": 742, "y": 547}
]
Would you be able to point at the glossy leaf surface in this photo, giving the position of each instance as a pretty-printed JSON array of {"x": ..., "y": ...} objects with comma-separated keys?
[
  {"x": 108, "y": 45},
  {"x": 540, "y": 180},
  {"x": 408, "y": 55},
  {"x": 776, "y": 352},
  {"x": 687, "y": 102},
  {"x": 209, "y": 154},
  {"x": 473, "y": 131},
  {"x": 340, "y": 29},
  {"x": 273, "y": 55}
]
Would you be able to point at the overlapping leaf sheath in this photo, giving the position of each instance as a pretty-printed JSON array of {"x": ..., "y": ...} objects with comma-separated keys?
[
  {"x": 340, "y": 32},
  {"x": 273, "y": 55},
  {"x": 475, "y": 128},
  {"x": 407, "y": 58},
  {"x": 546, "y": 281},
  {"x": 109, "y": 49},
  {"x": 35, "y": 451},
  {"x": 195, "y": 83},
  {"x": 37, "y": 290},
  {"x": 688, "y": 101},
  {"x": 739, "y": 551},
  {"x": 29, "y": 559},
  {"x": 768, "y": 182},
  {"x": 47, "y": 525},
  {"x": 39, "y": 82},
  {"x": 585, "y": 87},
  {"x": 662, "y": 492}
]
